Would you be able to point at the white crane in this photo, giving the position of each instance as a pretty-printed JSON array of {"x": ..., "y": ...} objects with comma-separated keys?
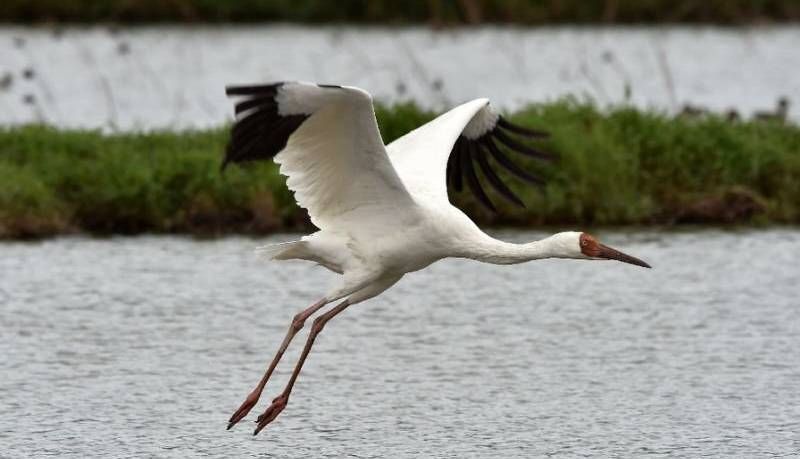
[{"x": 382, "y": 211}]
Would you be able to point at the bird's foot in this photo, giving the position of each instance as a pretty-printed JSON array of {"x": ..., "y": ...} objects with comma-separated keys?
[
  {"x": 247, "y": 405},
  {"x": 272, "y": 412}
]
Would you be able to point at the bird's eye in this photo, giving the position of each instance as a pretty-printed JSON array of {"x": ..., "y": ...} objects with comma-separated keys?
[{"x": 584, "y": 242}]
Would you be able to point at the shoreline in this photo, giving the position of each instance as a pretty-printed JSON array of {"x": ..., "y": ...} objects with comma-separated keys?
[
  {"x": 617, "y": 168},
  {"x": 387, "y": 12}
]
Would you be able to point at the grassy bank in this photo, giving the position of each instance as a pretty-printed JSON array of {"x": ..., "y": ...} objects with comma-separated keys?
[
  {"x": 618, "y": 167},
  {"x": 387, "y": 11}
]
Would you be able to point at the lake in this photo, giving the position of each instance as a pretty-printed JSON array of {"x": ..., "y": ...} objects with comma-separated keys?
[
  {"x": 143, "y": 347},
  {"x": 172, "y": 77}
]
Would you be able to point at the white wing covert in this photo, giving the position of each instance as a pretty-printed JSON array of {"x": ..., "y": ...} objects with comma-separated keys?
[
  {"x": 326, "y": 141},
  {"x": 446, "y": 150}
]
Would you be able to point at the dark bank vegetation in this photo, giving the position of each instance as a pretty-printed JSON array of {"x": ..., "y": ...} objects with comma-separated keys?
[
  {"x": 436, "y": 12},
  {"x": 617, "y": 167}
]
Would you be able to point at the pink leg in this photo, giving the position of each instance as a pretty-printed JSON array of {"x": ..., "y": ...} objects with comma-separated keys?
[
  {"x": 279, "y": 403},
  {"x": 252, "y": 398}
]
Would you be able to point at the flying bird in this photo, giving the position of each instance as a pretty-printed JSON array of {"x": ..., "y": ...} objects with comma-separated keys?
[{"x": 382, "y": 210}]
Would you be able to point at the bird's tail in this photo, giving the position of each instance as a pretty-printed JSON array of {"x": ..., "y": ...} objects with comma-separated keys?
[{"x": 280, "y": 251}]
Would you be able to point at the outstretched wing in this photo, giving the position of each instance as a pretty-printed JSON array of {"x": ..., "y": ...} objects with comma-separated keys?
[
  {"x": 452, "y": 149},
  {"x": 327, "y": 143}
]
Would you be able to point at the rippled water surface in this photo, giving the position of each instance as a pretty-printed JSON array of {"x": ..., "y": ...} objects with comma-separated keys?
[{"x": 142, "y": 347}]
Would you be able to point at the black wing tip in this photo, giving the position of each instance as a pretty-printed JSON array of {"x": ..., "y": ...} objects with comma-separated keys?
[
  {"x": 495, "y": 181},
  {"x": 509, "y": 165},
  {"x": 462, "y": 170},
  {"x": 269, "y": 138},
  {"x": 259, "y": 131},
  {"x": 252, "y": 90},
  {"x": 472, "y": 178},
  {"x": 544, "y": 155},
  {"x": 524, "y": 131},
  {"x": 517, "y": 146},
  {"x": 264, "y": 89},
  {"x": 488, "y": 205}
]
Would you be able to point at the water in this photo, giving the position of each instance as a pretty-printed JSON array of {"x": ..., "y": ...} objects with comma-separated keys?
[
  {"x": 173, "y": 77},
  {"x": 143, "y": 347}
]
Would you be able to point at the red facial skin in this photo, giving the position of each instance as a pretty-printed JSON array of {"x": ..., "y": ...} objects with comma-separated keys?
[{"x": 589, "y": 246}]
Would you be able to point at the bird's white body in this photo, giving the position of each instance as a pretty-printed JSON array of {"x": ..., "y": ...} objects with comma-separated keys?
[{"x": 384, "y": 211}]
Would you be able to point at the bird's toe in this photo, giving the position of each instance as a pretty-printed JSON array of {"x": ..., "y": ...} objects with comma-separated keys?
[
  {"x": 245, "y": 408},
  {"x": 271, "y": 413}
]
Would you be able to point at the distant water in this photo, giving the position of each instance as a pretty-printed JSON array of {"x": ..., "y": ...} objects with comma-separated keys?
[
  {"x": 174, "y": 77},
  {"x": 142, "y": 347}
]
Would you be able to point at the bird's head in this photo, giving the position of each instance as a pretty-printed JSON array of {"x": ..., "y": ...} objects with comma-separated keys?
[{"x": 584, "y": 246}]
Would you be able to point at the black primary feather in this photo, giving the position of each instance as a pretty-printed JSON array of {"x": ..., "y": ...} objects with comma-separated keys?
[
  {"x": 253, "y": 103},
  {"x": 509, "y": 126},
  {"x": 466, "y": 151},
  {"x": 263, "y": 90},
  {"x": 259, "y": 131},
  {"x": 472, "y": 178},
  {"x": 456, "y": 157},
  {"x": 518, "y": 147},
  {"x": 494, "y": 180},
  {"x": 509, "y": 165}
]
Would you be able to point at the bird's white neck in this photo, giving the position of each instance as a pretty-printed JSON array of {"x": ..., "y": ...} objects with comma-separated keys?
[{"x": 497, "y": 252}]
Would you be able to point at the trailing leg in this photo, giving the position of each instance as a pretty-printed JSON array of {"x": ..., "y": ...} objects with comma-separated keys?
[
  {"x": 279, "y": 403},
  {"x": 297, "y": 324}
]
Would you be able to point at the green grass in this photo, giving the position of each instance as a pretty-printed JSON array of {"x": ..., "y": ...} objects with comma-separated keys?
[
  {"x": 624, "y": 166},
  {"x": 413, "y": 11}
]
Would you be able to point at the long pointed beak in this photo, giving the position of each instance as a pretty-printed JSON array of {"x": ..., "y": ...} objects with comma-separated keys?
[{"x": 614, "y": 254}]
